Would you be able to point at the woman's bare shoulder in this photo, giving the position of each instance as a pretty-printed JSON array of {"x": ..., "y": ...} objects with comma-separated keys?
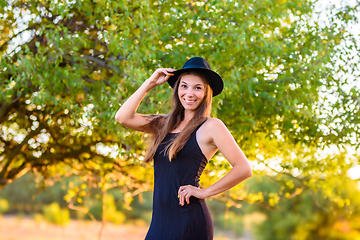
[
  {"x": 211, "y": 128},
  {"x": 214, "y": 124},
  {"x": 215, "y": 129}
]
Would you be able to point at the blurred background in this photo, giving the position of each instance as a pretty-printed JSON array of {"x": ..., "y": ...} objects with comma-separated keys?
[{"x": 291, "y": 101}]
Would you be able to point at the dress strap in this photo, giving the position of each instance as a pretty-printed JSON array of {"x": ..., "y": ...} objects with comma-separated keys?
[{"x": 200, "y": 125}]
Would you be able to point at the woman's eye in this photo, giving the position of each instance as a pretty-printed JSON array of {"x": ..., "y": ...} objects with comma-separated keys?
[
  {"x": 198, "y": 88},
  {"x": 183, "y": 86}
]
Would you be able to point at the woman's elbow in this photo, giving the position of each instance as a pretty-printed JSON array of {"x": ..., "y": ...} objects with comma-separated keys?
[
  {"x": 119, "y": 119},
  {"x": 244, "y": 171},
  {"x": 248, "y": 171}
]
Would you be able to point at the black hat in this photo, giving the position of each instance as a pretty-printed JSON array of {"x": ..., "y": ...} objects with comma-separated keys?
[{"x": 199, "y": 64}]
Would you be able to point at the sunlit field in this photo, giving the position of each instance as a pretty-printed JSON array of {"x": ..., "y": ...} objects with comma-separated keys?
[
  {"x": 14, "y": 228},
  {"x": 17, "y": 228}
]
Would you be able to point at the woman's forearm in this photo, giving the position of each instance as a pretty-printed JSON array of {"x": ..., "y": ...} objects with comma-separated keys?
[
  {"x": 235, "y": 176},
  {"x": 128, "y": 109},
  {"x": 126, "y": 115}
]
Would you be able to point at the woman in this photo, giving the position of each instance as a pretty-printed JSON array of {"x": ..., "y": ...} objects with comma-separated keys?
[{"x": 182, "y": 143}]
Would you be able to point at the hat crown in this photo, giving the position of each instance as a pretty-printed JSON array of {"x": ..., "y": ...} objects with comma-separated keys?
[{"x": 197, "y": 62}]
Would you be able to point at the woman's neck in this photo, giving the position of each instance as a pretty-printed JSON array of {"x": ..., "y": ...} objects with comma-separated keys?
[
  {"x": 188, "y": 115},
  {"x": 187, "y": 118}
]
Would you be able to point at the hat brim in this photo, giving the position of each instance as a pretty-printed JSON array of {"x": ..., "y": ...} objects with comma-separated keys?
[{"x": 216, "y": 82}]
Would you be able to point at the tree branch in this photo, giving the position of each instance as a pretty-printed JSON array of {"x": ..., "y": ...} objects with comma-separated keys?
[
  {"x": 6, "y": 107},
  {"x": 16, "y": 150},
  {"x": 102, "y": 63},
  {"x": 14, "y": 36}
]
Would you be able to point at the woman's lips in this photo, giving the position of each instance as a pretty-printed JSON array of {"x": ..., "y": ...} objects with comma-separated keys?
[{"x": 189, "y": 101}]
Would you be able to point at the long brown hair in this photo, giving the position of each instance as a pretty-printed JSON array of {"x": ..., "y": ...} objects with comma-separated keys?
[{"x": 166, "y": 123}]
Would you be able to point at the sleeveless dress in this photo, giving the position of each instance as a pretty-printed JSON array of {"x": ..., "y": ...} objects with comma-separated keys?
[{"x": 170, "y": 221}]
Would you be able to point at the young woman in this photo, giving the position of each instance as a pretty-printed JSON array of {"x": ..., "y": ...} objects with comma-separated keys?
[{"x": 182, "y": 143}]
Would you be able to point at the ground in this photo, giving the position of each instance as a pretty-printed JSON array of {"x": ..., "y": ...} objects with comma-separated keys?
[{"x": 15, "y": 228}]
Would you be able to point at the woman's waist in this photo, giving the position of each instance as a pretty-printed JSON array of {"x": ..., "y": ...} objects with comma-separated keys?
[
  {"x": 170, "y": 201},
  {"x": 168, "y": 192},
  {"x": 166, "y": 182}
]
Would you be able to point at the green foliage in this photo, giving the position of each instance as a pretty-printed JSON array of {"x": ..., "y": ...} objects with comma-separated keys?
[
  {"x": 54, "y": 214},
  {"x": 61, "y": 88},
  {"x": 111, "y": 214},
  {"x": 4, "y": 206},
  {"x": 29, "y": 193},
  {"x": 140, "y": 208},
  {"x": 231, "y": 222},
  {"x": 306, "y": 216}
]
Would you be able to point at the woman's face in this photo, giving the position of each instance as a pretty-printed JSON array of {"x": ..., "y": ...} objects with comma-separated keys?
[{"x": 191, "y": 91}]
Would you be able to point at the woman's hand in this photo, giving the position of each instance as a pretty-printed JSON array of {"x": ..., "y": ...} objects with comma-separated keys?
[
  {"x": 160, "y": 76},
  {"x": 185, "y": 192}
]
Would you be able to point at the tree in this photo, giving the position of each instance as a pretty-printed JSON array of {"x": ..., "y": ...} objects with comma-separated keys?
[{"x": 66, "y": 66}]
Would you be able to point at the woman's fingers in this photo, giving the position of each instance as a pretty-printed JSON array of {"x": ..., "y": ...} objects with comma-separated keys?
[
  {"x": 161, "y": 75},
  {"x": 167, "y": 72},
  {"x": 181, "y": 197},
  {"x": 184, "y": 194},
  {"x": 187, "y": 198}
]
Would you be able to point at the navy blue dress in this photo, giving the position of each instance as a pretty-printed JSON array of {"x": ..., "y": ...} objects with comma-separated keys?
[{"x": 170, "y": 221}]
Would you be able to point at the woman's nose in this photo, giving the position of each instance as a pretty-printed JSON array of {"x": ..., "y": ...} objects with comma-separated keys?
[{"x": 190, "y": 92}]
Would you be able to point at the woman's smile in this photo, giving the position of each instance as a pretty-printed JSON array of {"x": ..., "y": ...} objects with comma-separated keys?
[{"x": 188, "y": 101}]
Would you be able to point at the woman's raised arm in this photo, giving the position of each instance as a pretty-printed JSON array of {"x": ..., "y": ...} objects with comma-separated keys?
[{"x": 127, "y": 115}]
